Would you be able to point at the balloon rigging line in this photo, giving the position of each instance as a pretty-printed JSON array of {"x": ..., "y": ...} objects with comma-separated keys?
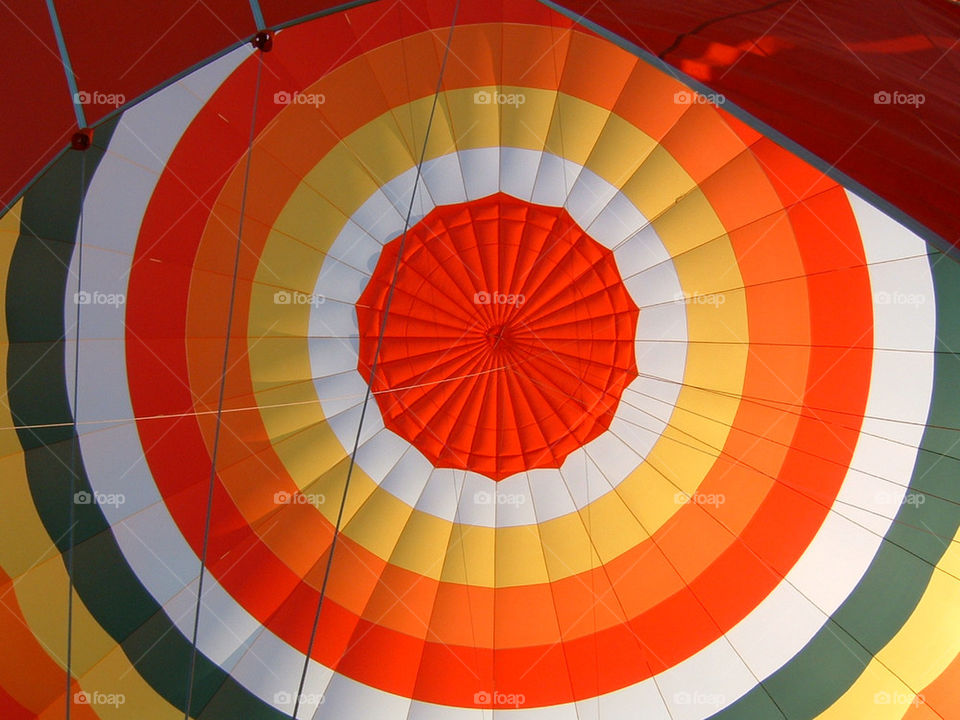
[
  {"x": 249, "y": 408},
  {"x": 745, "y": 464},
  {"x": 699, "y": 296},
  {"x": 777, "y": 479},
  {"x": 813, "y": 411},
  {"x": 829, "y": 617},
  {"x": 841, "y": 515},
  {"x": 789, "y": 408},
  {"x": 715, "y": 453},
  {"x": 772, "y": 281},
  {"x": 734, "y": 648},
  {"x": 759, "y": 437},
  {"x": 802, "y": 346},
  {"x": 700, "y": 601},
  {"x": 734, "y": 396},
  {"x": 738, "y": 538},
  {"x": 689, "y": 341},
  {"x": 373, "y": 368},
  {"x": 220, "y": 410},
  {"x": 75, "y": 440},
  {"x": 414, "y": 386},
  {"x": 801, "y": 201},
  {"x": 514, "y": 367},
  {"x": 223, "y": 383}
]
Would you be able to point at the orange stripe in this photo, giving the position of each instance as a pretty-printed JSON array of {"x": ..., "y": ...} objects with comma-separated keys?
[
  {"x": 675, "y": 628},
  {"x": 773, "y": 372},
  {"x": 941, "y": 698},
  {"x": 29, "y": 677}
]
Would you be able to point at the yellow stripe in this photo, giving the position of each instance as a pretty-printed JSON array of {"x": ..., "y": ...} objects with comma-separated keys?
[
  {"x": 922, "y": 649},
  {"x": 334, "y": 190},
  {"x": 29, "y": 556}
]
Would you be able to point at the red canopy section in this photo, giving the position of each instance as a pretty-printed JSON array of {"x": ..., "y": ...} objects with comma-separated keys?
[
  {"x": 119, "y": 49},
  {"x": 38, "y": 116},
  {"x": 872, "y": 90},
  {"x": 482, "y": 289}
]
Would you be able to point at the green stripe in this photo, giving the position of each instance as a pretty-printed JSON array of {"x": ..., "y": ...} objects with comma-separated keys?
[
  {"x": 812, "y": 681},
  {"x": 37, "y": 387},
  {"x": 898, "y": 576}
]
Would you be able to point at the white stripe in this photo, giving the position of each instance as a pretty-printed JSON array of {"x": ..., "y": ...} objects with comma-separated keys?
[
  {"x": 594, "y": 204},
  {"x": 827, "y": 572}
]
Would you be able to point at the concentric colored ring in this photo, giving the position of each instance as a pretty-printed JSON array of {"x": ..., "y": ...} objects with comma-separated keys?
[
  {"x": 501, "y": 337},
  {"x": 838, "y": 465},
  {"x": 782, "y": 409}
]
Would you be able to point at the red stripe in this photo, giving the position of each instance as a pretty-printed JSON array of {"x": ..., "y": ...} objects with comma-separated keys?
[{"x": 672, "y": 631}]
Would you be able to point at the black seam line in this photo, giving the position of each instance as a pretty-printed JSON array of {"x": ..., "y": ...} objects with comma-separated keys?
[
  {"x": 219, "y": 422},
  {"x": 373, "y": 367},
  {"x": 72, "y": 481}
]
